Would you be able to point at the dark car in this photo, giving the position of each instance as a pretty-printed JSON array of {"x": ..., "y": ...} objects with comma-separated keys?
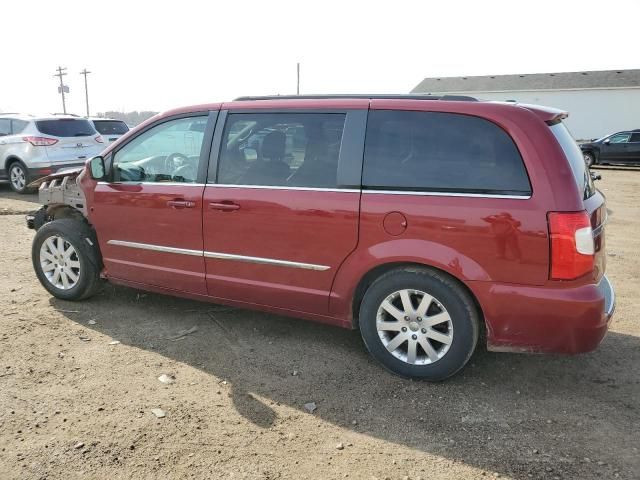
[
  {"x": 424, "y": 222},
  {"x": 619, "y": 148}
]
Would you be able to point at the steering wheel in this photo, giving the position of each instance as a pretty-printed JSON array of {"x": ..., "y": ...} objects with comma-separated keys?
[
  {"x": 174, "y": 161},
  {"x": 185, "y": 173}
]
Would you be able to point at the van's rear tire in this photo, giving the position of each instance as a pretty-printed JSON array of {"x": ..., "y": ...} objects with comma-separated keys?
[
  {"x": 419, "y": 323},
  {"x": 18, "y": 177},
  {"x": 66, "y": 259}
]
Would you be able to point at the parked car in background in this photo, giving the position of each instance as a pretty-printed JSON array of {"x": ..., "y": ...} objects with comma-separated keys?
[
  {"x": 36, "y": 146},
  {"x": 424, "y": 222},
  {"x": 617, "y": 148},
  {"x": 110, "y": 129}
]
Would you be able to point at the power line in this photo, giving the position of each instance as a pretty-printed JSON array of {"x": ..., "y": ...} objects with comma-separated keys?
[
  {"x": 86, "y": 88},
  {"x": 62, "y": 87}
]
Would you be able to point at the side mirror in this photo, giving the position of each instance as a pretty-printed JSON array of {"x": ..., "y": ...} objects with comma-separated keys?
[
  {"x": 97, "y": 168},
  {"x": 607, "y": 141}
]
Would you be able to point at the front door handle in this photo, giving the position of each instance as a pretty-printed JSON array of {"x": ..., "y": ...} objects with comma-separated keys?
[
  {"x": 225, "y": 206},
  {"x": 181, "y": 204}
]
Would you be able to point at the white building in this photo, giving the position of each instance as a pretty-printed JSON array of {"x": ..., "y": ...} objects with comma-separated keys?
[{"x": 598, "y": 103}]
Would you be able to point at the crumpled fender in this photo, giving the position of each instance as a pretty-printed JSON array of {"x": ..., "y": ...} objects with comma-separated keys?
[{"x": 71, "y": 172}]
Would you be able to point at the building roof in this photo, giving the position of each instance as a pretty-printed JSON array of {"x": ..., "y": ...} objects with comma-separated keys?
[{"x": 534, "y": 81}]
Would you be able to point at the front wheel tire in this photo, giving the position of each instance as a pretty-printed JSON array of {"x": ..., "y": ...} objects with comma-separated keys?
[
  {"x": 419, "y": 323},
  {"x": 66, "y": 260}
]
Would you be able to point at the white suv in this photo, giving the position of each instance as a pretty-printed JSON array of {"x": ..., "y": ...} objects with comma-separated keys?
[
  {"x": 109, "y": 128},
  {"x": 36, "y": 146}
]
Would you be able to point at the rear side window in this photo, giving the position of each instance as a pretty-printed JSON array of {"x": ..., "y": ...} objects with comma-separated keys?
[
  {"x": 635, "y": 137},
  {"x": 573, "y": 153},
  {"x": 441, "y": 152},
  {"x": 66, "y": 127},
  {"x": 110, "y": 127}
]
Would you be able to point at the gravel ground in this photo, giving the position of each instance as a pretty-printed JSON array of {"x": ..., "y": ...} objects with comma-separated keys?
[{"x": 75, "y": 405}]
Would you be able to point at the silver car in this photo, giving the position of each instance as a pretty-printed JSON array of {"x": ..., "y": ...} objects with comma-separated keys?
[
  {"x": 109, "y": 128},
  {"x": 35, "y": 146}
]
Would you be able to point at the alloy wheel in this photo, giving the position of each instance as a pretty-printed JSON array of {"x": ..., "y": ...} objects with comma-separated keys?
[
  {"x": 414, "y": 327},
  {"x": 59, "y": 262},
  {"x": 17, "y": 177}
]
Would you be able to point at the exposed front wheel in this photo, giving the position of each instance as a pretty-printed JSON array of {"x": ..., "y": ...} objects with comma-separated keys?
[
  {"x": 66, "y": 259},
  {"x": 589, "y": 159},
  {"x": 18, "y": 177},
  {"x": 419, "y": 323}
]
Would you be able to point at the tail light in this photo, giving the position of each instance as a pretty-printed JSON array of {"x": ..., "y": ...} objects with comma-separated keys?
[
  {"x": 40, "y": 141},
  {"x": 572, "y": 245},
  {"x": 99, "y": 139}
]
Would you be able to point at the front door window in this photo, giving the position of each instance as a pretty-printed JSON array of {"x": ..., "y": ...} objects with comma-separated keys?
[
  {"x": 169, "y": 152},
  {"x": 619, "y": 138}
]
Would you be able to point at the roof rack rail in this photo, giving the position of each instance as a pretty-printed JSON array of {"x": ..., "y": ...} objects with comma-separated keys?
[{"x": 461, "y": 98}]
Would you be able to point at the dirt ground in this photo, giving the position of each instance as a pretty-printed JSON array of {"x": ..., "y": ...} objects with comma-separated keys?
[{"x": 75, "y": 405}]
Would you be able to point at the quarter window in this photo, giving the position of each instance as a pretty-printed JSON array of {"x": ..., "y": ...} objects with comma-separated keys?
[
  {"x": 169, "y": 152},
  {"x": 288, "y": 149},
  {"x": 441, "y": 152}
]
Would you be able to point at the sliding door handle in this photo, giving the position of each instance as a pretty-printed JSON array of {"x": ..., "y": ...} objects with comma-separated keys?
[{"x": 224, "y": 206}]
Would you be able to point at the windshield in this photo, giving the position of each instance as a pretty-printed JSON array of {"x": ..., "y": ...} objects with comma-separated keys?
[
  {"x": 602, "y": 138},
  {"x": 66, "y": 127},
  {"x": 110, "y": 127},
  {"x": 576, "y": 160}
]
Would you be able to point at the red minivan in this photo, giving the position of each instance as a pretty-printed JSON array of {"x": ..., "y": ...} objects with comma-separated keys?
[{"x": 425, "y": 222}]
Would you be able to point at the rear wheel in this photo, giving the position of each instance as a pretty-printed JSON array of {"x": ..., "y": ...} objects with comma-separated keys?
[
  {"x": 419, "y": 323},
  {"x": 66, "y": 259},
  {"x": 18, "y": 177}
]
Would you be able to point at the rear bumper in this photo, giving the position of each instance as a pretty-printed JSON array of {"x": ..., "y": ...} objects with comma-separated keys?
[{"x": 546, "y": 319}]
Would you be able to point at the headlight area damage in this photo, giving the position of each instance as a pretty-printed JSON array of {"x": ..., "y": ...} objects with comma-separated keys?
[{"x": 61, "y": 197}]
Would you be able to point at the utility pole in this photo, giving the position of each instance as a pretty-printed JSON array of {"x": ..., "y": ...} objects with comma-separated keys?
[
  {"x": 298, "y": 80},
  {"x": 86, "y": 89},
  {"x": 62, "y": 87}
]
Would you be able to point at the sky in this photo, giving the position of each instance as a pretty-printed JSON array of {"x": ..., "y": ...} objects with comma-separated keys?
[{"x": 155, "y": 55}]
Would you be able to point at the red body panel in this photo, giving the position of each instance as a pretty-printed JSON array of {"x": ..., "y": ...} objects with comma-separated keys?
[
  {"x": 555, "y": 318},
  {"x": 497, "y": 247},
  {"x": 311, "y": 227},
  {"x": 479, "y": 239},
  {"x": 141, "y": 214}
]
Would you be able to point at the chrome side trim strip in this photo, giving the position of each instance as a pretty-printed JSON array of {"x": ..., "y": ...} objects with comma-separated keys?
[
  {"x": 156, "y": 248},
  {"x": 179, "y": 184},
  {"x": 314, "y": 189},
  {"x": 270, "y": 187},
  {"x": 266, "y": 261},
  {"x": 448, "y": 194},
  {"x": 218, "y": 255}
]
